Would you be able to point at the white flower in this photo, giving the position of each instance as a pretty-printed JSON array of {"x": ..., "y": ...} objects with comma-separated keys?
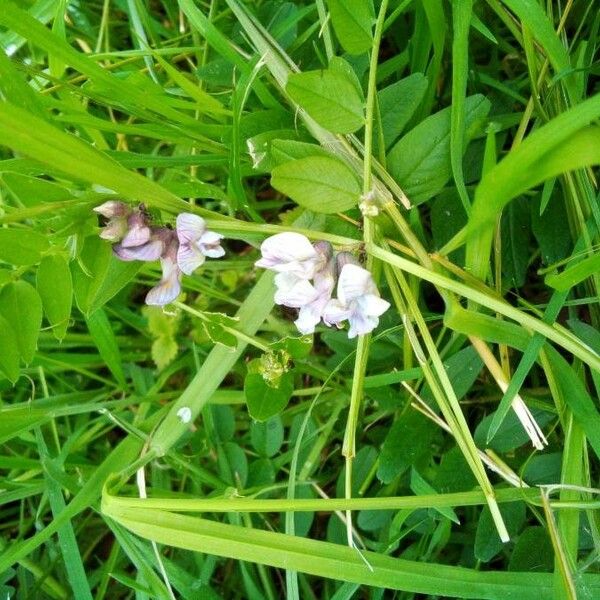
[
  {"x": 195, "y": 242},
  {"x": 358, "y": 301},
  {"x": 292, "y": 253},
  {"x": 311, "y": 312}
]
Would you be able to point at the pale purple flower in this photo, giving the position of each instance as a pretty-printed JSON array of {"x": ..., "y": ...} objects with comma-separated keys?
[
  {"x": 116, "y": 214},
  {"x": 138, "y": 231},
  {"x": 357, "y": 301},
  {"x": 292, "y": 253},
  {"x": 311, "y": 312},
  {"x": 195, "y": 242},
  {"x": 169, "y": 286}
]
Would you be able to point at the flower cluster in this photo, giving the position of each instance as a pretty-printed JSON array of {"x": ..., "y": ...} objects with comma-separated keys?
[
  {"x": 306, "y": 278},
  {"x": 180, "y": 251}
]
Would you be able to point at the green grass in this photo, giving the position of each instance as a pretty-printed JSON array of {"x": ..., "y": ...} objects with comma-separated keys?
[{"x": 210, "y": 451}]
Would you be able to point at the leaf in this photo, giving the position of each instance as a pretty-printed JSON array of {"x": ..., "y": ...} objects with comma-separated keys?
[
  {"x": 408, "y": 440},
  {"x": 515, "y": 243},
  {"x": 104, "y": 338},
  {"x": 32, "y": 190},
  {"x": 21, "y": 306},
  {"x": 267, "y": 436},
  {"x": 420, "y": 161},
  {"x": 532, "y": 552},
  {"x": 164, "y": 350},
  {"x": 101, "y": 277},
  {"x": 285, "y": 150},
  {"x": 487, "y": 542},
  {"x": 332, "y": 97},
  {"x": 398, "y": 103},
  {"x": 265, "y": 401},
  {"x": 55, "y": 287},
  {"x": 319, "y": 183},
  {"x": 22, "y": 246},
  {"x": 9, "y": 351},
  {"x": 352, "y": 21}
]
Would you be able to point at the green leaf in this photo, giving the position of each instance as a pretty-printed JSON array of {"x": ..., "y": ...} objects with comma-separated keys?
[
  {"x": 267, "y": 436},
  {"x": 9, "y": 351},
  {"x": 21, "y": 306},
  {"x": 332, "y": 97},
  {"x": 487, "y": 542},
  {"x": 352, "y": 21},
  {"x": 532, "y": 552},
  {"x": 102, "y": 333},
  {"x": 321, "y": 184},
  {"x": 408, "y": 441},
  {"x": 420, "y": 161},
  {"x": 515, "y": 245},
  {"x": 55, "y": 287},
  {"x": 398, "y": 103},
  {"x": 100, "y": 276},
  {"x": 265, "y": 401},
  {"x": 22, "y": 246},
  {"x": 32, "y": 190},
  {"x": 285, "y": 150}
]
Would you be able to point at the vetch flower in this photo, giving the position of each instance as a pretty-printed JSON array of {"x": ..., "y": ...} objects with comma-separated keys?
[
  {"x": 116, "y": 214},
  {"x": 292, "y": 253},
  {"x": 357, "y": 301},
  {"x": 169, "y": 286},
  {"x": 311, "y": 312},
  {"x": 151, "y": 250},
  {"x": 138, "y": 230},
  {"x": 195, "y": 242}
]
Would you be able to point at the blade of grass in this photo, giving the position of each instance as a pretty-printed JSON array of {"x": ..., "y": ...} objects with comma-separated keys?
[
  {"x": 330, "y": 560},
  {"x": 461, "y": 22}
]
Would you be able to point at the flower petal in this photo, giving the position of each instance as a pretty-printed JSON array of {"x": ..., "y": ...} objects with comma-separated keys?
[
  {"x": 353, "y": 283},
  {"x": 293, "y": 291},
  {"x": 290, "y": 252},
  {"x": 189, "y": 227},
  {"x": 136, "y": 236},
  {"x": 110, "y": 209},
  {"x": 152, "y": 250},
  {"x": 308, "y": 318},
  {"x": 169, "y": 287},
  {"x": 189, "y": 258},
  {"x": 360, "y": 324},
  {"x": 373, "y": 305},
  {"x": 209, "y": 244},
  {"x": 335, "y": 312}
]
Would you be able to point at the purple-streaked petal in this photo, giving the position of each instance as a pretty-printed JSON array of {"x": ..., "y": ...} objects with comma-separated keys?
[
  {"x": 189, "y": 258},
  {"x": 189, "y": 227},
  {"x": 136, "y": 236},
  {"x": 169, "y": 287},
  {"x": 147, "y": 252}
]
